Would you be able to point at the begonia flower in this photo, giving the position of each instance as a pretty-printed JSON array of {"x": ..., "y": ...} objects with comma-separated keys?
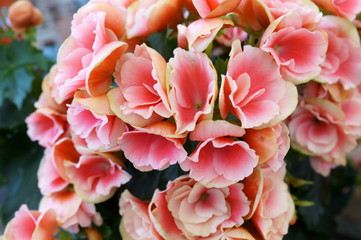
[
  {"x": 214, "y": 8},
  {"x": 253, "y": 89},
  {"x": 347, "y": 9},
  {"x": 31, "y": 225},
  {"x": 91, "y": 119},
  {"x": 71, "y": 211},
  {"x": 188, "y": 210},
  {"x": 154, "y": 147},
  {"x": 135, "y": 223},
  {"x": 219, "y": 161},
  {"x": 141, "y": 98},
  {"x": 193, "y": 88},
  {"x": 343, "y": 57}
]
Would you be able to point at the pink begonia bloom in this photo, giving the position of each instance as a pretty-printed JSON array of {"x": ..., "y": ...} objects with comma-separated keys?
[
  {"x": 31, "y": 225},
  {"x": 271, "y": 144},
  {"x": 150, "y": 16},
  {"x": 219, "y": 161},
  {"x": 298, "y": 51},
  {"x": 323, "y": 167},
  {"x": 317, "y": 128},
  {"x": 214, "y": 8},
  {"x": 71, "y": 210},
  {"x": 256, "y": 15},
  {"x": 348, "y": 100},
  {"x": 87, "y": 57},
  {"x": 141, "y": 98},
  {"x": 46, "y": 126},
  {"x": 187, "y": 210},
  {"x": 343, "y": 58},
  {"x": 99, "y": 127},
  {"x": 275, "y": 208},
  {"x": 347, "y": 9},
  {"x": 49, "y": 179},
  {"x": 231, "y": 34},
  {"x": 135, "y": 223},
  {"x": 257, "y": 96},
  {"x": 193, "y": 88},
  {"x": 155, "y": 147},
  {"x": 49, "y": 93},
  {"x": 95, "y": 177},
  {"x": 200, "y": 33}
]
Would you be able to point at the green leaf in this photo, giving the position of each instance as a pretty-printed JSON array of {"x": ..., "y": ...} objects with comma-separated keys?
[
  {"x": 19, "y": 64},
  {"x": 19, "y": 163}
]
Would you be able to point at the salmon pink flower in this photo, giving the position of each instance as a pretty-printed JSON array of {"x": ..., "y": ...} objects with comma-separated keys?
[
  {"x": 49, "y": 179},
  {"x": 259, "y": 14},
  {"x": 91, "y": 119},
  {"x": 271, "y": 144},
  {"x": 71, "y": 210},
  {"x": 87, "y": 58},
  {"x": 95, "y": 177},
  {"x": 323, "y": 167},
  {"x": 135, "y": 223},
  {"x": 150, "y": 16},
  {"x": 214, "y": 8},
  {"x": 231, "y": 34},
  {"x": 219, "y": 161},
  {"x": 257, "y": 96},
  {"x": 141, "y": 98},
  {"x": 154, "y": 147},
  {"x": 32, "y": 225},
  {"x": 347, "y": 9},
  {"x": 317, "y": 128},
  {"x": 193, "y": 88},
  {"x": 343, "y": 57},
  {"x": 200, "y": 33},
  {"x": 271, "y": 202},
  {"x": 46, "y": 126},
  {"x": 298, "y": 51},
  {"x": 188, "y": 210}
]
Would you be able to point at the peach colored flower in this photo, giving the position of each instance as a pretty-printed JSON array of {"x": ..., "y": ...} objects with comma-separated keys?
[
  {"x": 193, "y": 88},
  {"x": 343, "y": 57},
  {"x": 214, "y": 8},
  {"x": 231, "y": 34},
  {"x": 95, "y": 177},
  {"x": 135, "y": 223},
  {"x": 31, "y": 225},
  {"x": 150, "y": 16},
  {"x": 298, "y": 51},
  {"x": 49, "y": 179},
  {"x": 46, "y": 126},
  {"x": 257, "y": 15},
  {"x": 271, "y": 202},
  {"x": 257, "y": 96},
  {"x": 219, "y": 161},
  {"x": 188, "y": 210},
  {"x": 87, "y": 57},
  {"x": 200, "y": 33},
  {"x": 50, "y": 93},
  {"x": 71, "y": 210},
  {"x": 141, "y": 98},
  {"x": 317, "y": 128},
  {"x": 347, "y": 9},
  {"x": 91, "y": 119},
  {"x": 271, "y": 144},
  {"x": 154, "y": 147}
]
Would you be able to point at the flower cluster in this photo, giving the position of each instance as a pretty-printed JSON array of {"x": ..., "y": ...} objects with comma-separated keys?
[{"x": 290, "y": 76}]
